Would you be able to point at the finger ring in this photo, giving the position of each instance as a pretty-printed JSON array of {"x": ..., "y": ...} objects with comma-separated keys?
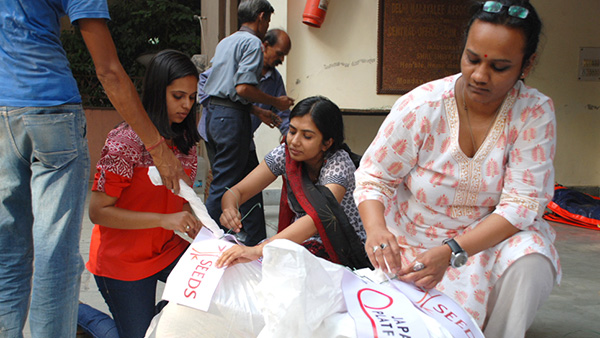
[
  {"x": 187, "y": 227},
  {"x": 375, "y": 248},
  {"x": 383, "y": 246},
  {"x": 418, "y": 266}
]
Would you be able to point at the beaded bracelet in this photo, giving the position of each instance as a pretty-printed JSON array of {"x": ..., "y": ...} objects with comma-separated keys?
[{"x": 162, "y": 139}]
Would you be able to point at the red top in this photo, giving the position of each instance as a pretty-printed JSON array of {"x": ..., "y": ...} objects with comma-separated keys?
[{"x": 131, "y": 255}]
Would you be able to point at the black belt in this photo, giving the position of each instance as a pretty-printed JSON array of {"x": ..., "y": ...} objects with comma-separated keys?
[{"x": 218, "y": 101}]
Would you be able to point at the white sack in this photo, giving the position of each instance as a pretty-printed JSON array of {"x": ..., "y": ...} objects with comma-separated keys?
[
  {"x": 295, "y": 295},
  {"x": 232, "y": 313},
  {"x": 299, "y": 291}
]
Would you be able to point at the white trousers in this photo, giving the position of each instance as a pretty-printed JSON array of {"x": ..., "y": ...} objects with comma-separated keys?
[{"x": 517, "y": 296}]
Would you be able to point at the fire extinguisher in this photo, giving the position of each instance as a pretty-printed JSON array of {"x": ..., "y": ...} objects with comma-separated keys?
[{"x": 314, "y": 12}]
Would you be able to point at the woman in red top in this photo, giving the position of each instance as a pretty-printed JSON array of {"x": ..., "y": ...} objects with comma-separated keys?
[{"x": 133, "y": 243}]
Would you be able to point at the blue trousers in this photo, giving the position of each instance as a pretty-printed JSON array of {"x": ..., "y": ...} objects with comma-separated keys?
[
  {"x": 44, "y": 173},
  {"x": 229, "y": 137},
  {"x": 96, "y": 323},
  {"x": 132, "y": 303}
]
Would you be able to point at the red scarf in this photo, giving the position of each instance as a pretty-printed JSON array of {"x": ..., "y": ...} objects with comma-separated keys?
[{"x": 286, "y": 215}]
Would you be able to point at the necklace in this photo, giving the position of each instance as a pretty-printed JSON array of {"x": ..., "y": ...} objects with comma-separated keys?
[{"x": 469, "y": 121}]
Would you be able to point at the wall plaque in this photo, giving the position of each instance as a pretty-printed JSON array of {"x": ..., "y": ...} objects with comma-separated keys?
[{"x": 418, "y": 41}]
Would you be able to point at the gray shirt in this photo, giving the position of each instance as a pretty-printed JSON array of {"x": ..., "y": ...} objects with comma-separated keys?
[
  {"x": 337, "y": 168},
  {"x": 238, "y": 60}
]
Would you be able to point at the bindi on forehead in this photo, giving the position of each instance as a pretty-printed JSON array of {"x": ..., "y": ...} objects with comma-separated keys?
[{"x": 485, "y": 55}]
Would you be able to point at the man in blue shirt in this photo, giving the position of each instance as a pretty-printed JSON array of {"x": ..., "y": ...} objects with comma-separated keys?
[
  {"x": 276, "y": 46},
  {"x": 44, "y": 159},
  {"x": 232, "y": 87}
]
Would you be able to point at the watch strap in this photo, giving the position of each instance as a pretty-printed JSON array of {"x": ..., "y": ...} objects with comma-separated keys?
[{"x": 454, "y": 246}]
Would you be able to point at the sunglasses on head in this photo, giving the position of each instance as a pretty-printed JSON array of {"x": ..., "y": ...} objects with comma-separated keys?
[{"x": 514, "y": 11}]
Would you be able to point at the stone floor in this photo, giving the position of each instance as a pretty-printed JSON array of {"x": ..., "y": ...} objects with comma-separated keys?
[{"x": 573, "y": 309}]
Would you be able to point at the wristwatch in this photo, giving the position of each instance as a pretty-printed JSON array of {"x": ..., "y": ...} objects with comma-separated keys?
[{"x": 459, "y": 256}]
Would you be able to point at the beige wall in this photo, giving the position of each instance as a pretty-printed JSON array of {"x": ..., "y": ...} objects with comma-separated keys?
[
  {"x": 570, "y": 25},
  {"x": 339, "y": 61}
]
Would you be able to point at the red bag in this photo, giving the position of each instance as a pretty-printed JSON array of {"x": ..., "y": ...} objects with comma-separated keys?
[{"x": 573, "y": 207}]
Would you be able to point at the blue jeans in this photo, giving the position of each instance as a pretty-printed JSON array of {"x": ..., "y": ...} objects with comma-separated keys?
[
  {"x": 229, "y": 137},
  {"x": 96, "y": 323},
  {"x": 44, "y": 173},
  {"x": 133, "y": 303}
]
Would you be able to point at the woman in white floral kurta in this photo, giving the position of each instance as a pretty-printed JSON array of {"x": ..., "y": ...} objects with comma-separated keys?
[{"x": 468, "y": 157}]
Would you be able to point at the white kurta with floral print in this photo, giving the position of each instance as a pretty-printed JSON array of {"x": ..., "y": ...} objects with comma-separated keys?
[{"x": 432, "y": 191}]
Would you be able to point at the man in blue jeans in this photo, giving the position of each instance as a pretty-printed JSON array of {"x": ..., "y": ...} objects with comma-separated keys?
[
  {"x": 232, "y": 86},
  {"x": 44, "y": 160},
  {"x": 276, "y": 46}
]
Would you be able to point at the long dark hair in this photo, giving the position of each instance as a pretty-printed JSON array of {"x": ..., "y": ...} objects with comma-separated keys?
[
  {"x": 326, "y": 115},
  {"x": 165, "y": 67},
  {"x": 531, "y": 26}
]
